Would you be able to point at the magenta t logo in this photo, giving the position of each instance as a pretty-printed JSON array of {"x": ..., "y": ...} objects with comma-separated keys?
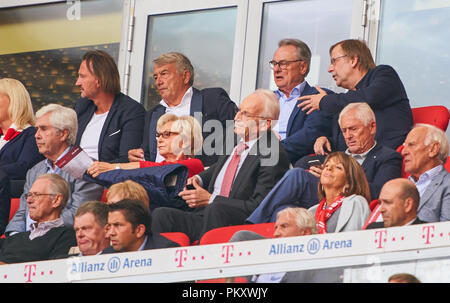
[
  {"x": 180, "y": 256},
  {"x": 227, "y": 252},
  {"x": 428, "y": 233},
  {"x": 380, "y": 237},
  {"x": 31, "y": 271}
]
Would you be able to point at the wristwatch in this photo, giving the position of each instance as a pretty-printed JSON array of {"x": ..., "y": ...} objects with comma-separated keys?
[{"x": 117, "y": 166}]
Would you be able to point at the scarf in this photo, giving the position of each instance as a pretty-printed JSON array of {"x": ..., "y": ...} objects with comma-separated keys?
[
  {"x": 324, "y": 212},
  {"x": 11, "y": 133}
]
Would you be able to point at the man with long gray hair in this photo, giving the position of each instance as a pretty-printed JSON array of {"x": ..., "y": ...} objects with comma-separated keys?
[{"x": 56, "y": 130}]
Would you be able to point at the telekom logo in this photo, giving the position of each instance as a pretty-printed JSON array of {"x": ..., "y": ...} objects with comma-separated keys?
[
  {"x": 428, "y": 233},
  {"x": 227, "y": 252},
  {"x": 380, "y": 237},
  {"x": 181, "y": 256},
  {"x": 30, "y": 271}
]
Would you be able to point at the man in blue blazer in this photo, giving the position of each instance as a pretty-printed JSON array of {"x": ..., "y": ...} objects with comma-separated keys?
[
  {"x": 174, "y": 77},
  {"x": 298, "y": 131},
  {"x": 298, "y": 187},
  {"x": 109, "y": 122},
  {"x": 425, "y": 151},
  {"x": 353, "y": 68}
]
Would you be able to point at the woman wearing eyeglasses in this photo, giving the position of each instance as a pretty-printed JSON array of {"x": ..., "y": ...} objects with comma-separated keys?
[{"x": 178, "y": 139}]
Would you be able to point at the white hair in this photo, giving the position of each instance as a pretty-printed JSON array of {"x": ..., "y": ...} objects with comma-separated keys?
[
  {"x": 61, "y": 118},
  {"x": 303, "y": 217},
  {"x": 271, "y": 103},
  {"x": 435, "y": 134},
  {"x": 363, "y": 112}
]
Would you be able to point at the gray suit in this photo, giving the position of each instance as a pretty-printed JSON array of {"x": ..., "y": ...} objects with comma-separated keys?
[
  {"x": 435, "y": 201},
  {"x": 353, "y": 213},
  {"x": 80, "y": 192}
]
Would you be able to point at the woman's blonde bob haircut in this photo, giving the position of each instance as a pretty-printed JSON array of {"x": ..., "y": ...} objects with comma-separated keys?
[
  {"x": 20, "y": 108},
  {"x": 189, "y": 130}
]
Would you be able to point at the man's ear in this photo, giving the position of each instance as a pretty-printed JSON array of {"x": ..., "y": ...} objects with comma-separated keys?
[
  {"x": 140, "y": 231},
  {"x": 63, "y": 134},
  {"x": 408, "y": 204},
  {"x": 354, "y": 61},
  {"x": 434, "y": 149},
  {"x": 57, "y": 200},
  {"x": 186, "y": 77}
]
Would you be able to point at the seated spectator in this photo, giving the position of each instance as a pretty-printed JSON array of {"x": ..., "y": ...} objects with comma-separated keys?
[
  {"x": 5, "y": 201},
  {"x": 127, "y": 190},
  {"x": 291, "y": 222},
  {"x": 399, "y": 200},
  {"x": 231, "y": 189},
  {"x": 56, "y": 128},
  {"x": 379, "y": 163},
  {"x": 353, "y": 68},
  {"x": 425, "y": 151},
  {"x": 48, "y": 238},
  {"x": 403, "y": 278},
  {"x": 129, "y": 224},
  {"x": 179, "y": 138},
  {"x": 174, "y": 79},
  {"x": 109, "y": 122},
  {"x": 90, "y": 225},
  {"x": 297, "y": 130},
  {"x": 343, "y": 193},
  {"x": 18, "y": 150}
]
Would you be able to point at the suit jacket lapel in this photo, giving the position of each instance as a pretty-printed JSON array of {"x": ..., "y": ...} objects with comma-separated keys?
[
  {"x": 82, "y": 123},
  {"x": 196, "y": 104},
  {"x": 432, "y": 187},
  {"x": 105, "y": 127},
  {"x": 306, "y": 91},
  {"x": 345, "y": 213},
  {"x": 218, "y": 167}
]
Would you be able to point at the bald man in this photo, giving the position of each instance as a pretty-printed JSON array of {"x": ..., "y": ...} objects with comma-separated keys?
[{"x": 399, "y": 202}]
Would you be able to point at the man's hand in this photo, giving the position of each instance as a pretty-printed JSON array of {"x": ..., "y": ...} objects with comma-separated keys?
[
  {"x": 316, "y": 170},
  {"x": 312, "y": 102},
  {"x": 322, "y": 146},
  {"x": 196, "y": 197},
  {"x": 135, "y": 155}
]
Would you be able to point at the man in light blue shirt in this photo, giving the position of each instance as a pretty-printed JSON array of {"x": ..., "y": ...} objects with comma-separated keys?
[
  {"x": 425, "y": 151},
  {"x": 297, "y": 130}
]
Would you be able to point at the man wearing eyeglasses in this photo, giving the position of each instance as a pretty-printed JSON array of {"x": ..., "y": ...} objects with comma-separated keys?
[
  {"x": 56, "y": 130},
  {"x": 353, "y": 68},
  {"x": 297, "y": 130},
  {"x": 48, "y": 238},
  {"x": 229, "y": 190},
  {"x": 174, "y": 79}
]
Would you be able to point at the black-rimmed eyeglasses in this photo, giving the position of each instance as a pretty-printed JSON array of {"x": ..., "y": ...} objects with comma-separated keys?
[{"x": 283, "y": 64}]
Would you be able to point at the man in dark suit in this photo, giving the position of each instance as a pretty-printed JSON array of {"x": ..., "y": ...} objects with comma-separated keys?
[
  {"x": 297, "y": 130},
  {"x": 109, "y": 122},
  {"x": 129, "y": 224},
  {"x": 353, "y": 68},
  {"x": 229, "y": 190},
  {"x": 298, "y": 187},
  {"x": 399, "y": 200},
  {"x": 212, "y": 107}
]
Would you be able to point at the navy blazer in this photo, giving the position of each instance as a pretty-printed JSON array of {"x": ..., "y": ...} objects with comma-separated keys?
[
  {"x": 383, "y": 90},
  {"x": 303, "y": 130},
  {"x": 153, "y": 242},
  {"x": 381, "y": 165},
  {"x": 20, "y": 154},
  {"x": 213, "y": 103},
  {"x": 375, "y": 225},
  {"x": 121, "y": 131}
]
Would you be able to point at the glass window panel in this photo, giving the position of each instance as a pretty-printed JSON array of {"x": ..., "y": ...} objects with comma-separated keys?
[
  {"x": 413, "y": 38},
  {"x": 311, "y": 23},
  {"x": 45, "y": 44},
  {"x": 206, "y": 37}
]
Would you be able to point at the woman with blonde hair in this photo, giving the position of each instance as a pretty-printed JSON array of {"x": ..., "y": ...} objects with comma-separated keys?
[
  {"x": 127, "y": 190},
  {"x": 178, "y": 138},
  {"x": 18, "y": 149}
]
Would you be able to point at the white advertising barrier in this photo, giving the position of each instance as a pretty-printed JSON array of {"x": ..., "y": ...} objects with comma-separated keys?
[{"x": 217, "y": 256}]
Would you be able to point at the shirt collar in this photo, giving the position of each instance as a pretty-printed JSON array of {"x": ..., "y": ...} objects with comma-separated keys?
[
  {"x": 143, "y": 244},
  {"x": 295, "y": 92},
  {"x": 428, "y": 175},
  {"x": 184, "y": 101},
  {"x": 50, "y": 163},
  {"x": 40, "y": 229},
  {"x": 361, "y": 156}
]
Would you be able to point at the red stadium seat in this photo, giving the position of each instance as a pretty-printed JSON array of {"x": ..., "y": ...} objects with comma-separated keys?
[
  {"x": 177, "y": 237},
  {"x": 224, "y": 234},
  {"x": 447, "y": 164},
  {"x": 224, "y": 280},
  {"x": 14, "y": 206},
  {"x": 436, "y": 115}
]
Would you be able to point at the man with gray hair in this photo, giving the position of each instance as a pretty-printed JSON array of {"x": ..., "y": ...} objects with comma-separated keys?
[
  {"x": 174, "y": 79},
  {"x": 48, "y": 238},
  {"x": 291, "y": 222},
  {"x": 56, "y": 130},
  {"x": 380, "y": 164},
  {"x": 297, "y": 130},
  {"x": 425, "y": 151}
]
